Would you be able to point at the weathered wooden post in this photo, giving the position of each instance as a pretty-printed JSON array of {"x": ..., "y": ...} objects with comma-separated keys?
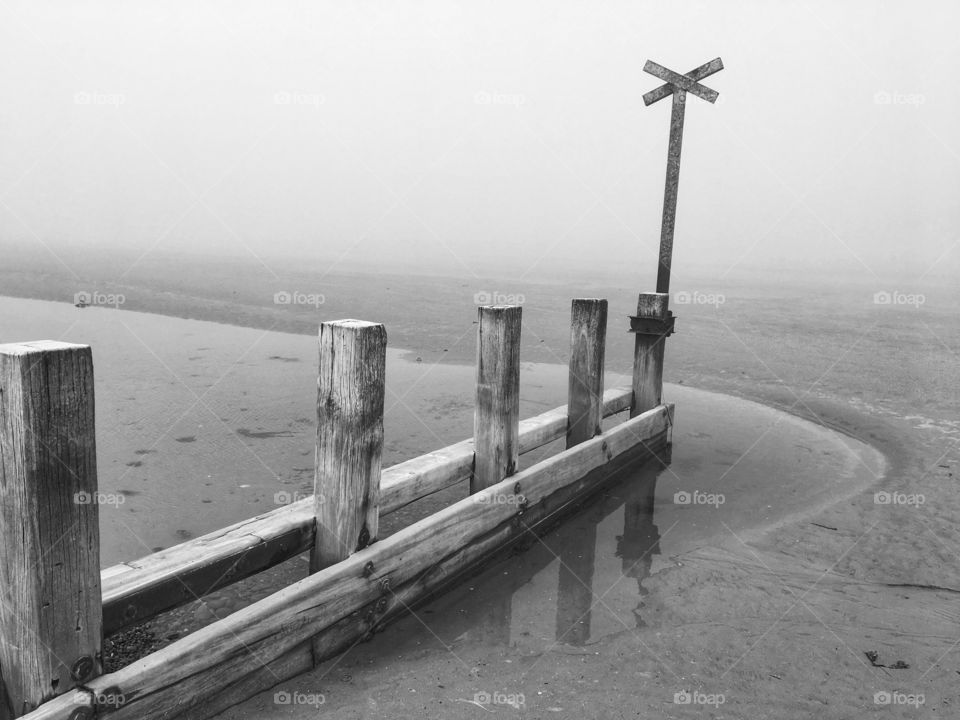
[
  {"x": 588, "y": 332},
  {"x": 654, "y": 322},
  {"x": 50, "y": 603},
  {"x": 496, "y": 423},
  {"x": 350, "y": 390}
]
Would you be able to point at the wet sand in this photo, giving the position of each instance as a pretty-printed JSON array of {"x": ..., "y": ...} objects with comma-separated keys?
[
  {"x": 598, "y": 580},
  {"x": 781, "y": 623}
]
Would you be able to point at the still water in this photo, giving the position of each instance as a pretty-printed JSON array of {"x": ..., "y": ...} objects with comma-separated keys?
[{"x": 200, "y": 425}]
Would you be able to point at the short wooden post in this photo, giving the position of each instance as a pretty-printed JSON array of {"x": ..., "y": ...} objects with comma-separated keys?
[
  {"x": 50, "y": 602},
  {"x": 346, "y": 485},
  {"x": 648, "y": 353},
  {"x": 496, "y": 419},
  {"x": 588, "y": 332}
]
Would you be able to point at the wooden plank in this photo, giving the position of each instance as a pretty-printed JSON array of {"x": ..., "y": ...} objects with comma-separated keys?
[
  {"x": 681, "y": 82},
  {"x": 496, "y": 429},
  {"x": 214, "y": 656},
  {"x": 704, "y": 71},
  {"x": 588, "y": 332},
  {"x": 346, "y": 489},
  {"x": 50, "y": 621},
  {"x": 392, "y": 604},
  {"x": 139, "y": 589},
  {"x": 648, "y": 356}
]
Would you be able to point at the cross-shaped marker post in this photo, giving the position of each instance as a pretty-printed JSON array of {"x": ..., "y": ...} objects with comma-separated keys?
[
  {"x": 678, "y": 86},
  {"x": 654, "y": 322}
]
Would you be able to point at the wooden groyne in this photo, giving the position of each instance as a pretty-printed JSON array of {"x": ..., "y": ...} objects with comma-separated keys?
[{"x": 57, "y": 604}]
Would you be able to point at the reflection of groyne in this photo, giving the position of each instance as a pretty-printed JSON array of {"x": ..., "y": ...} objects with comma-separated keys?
[{"x": 59, "y": 603}]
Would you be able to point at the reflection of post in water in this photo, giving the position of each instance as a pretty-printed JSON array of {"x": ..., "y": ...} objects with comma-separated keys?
[
  {"x": 578, "y": 537},
  {"x": 641, "y": 537},
  {"x": 578, "y": 541}
]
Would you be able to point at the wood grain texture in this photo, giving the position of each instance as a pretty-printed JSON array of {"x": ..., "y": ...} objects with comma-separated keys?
[
  {"x": 497, "y": 411},
  {"x": 671, "y": 190},
  {"x": 705, "y": 70},
  {"x": 682, "y": 82},
  {"x": 648, "y": 356},
  {"x": 139, "y": 589},
  {"x": 346, "y": 488},
  {"x": 588, "y": 334},
  {"x": 394, "y": 602},
  {"x": 50, "y": 560},
  {"x": 415, "y": 560}
]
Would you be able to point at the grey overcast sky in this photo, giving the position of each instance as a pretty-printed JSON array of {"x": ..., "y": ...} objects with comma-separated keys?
[{"x": 463, "y": 136}]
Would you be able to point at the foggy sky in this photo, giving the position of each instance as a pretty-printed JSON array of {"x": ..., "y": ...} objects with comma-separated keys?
[{"x": 464, "y": 136}]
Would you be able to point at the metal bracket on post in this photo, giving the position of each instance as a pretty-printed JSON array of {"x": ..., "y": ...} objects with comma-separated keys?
[{"x": 659, "y": 327}]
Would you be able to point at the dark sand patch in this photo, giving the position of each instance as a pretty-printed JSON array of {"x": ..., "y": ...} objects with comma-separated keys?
[{"x": 264, "y": 434}]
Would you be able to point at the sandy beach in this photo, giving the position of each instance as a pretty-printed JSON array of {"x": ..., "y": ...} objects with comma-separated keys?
[{"x": 814, "y": 615}]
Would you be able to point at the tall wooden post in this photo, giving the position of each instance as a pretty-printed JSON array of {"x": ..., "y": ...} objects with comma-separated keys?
[
  {"x": 346, "y": 485},
  {"x": 677, "y": 86},
  {"x": 50, "y": 602},
  {"x": 652, "y": 324},
  {"x": 496, "y": 424},
  {"x": 588, "y": 331}
]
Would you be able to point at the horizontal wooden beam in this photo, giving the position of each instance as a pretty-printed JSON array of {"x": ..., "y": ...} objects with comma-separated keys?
[
  {"x": 140, "y": 589},
  {"x": 340, "y": 636},
  {"x": 390, "y": 573}
]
